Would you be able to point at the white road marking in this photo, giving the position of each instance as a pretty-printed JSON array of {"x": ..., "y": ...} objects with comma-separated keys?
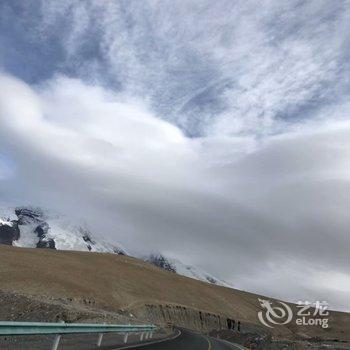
[{"x": 150, "y": 343}]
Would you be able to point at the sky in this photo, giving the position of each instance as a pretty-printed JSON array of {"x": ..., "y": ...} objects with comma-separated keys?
[{"x": 217, "y": 133}]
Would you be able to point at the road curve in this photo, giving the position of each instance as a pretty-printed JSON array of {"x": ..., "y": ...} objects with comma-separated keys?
[{"x": 187, "y": 340}]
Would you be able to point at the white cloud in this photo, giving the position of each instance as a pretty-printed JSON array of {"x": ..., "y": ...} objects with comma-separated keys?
[
  {"x": 233, "y": 206},
  {"x": 213, "y": 68}
]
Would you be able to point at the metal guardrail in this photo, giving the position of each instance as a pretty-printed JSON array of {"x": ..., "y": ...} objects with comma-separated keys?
[{"x": 42, "y": 328}]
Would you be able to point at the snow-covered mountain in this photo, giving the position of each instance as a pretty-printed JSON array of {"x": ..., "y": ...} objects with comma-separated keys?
[
  {"x": 176, "y": 266},
  {"x": 37, "y": 228}
]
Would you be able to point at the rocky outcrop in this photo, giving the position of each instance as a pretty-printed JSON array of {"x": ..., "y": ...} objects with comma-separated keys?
[
  {"x": 29, "y": 215},
  {"x": 42, "y": 233},
  {"x": 162, "y": 262},
  {"x": 182, "y": 316},
  {"x": 9, "y": 232}
]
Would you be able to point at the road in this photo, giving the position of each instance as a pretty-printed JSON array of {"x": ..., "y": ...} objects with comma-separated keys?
[{"x": 187, "y": 340}]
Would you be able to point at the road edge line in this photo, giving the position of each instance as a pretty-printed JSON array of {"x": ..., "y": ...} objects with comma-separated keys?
[
  {"x": 209, "y": 343},
  {"x": 151, "y": 343},
  {"x": 232, "y": 344}
]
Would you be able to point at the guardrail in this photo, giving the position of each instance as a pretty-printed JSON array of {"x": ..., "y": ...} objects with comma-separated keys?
[{"x": 42, "y": 328}]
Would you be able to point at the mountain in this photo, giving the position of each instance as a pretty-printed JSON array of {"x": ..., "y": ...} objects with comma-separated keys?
[
  {"x": 37, "y": 228},
  {"x": 176, "y": 266},
  {"x": 31, "y": 227}
]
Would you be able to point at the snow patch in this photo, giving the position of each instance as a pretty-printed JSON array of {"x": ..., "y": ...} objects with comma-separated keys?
[
  {"x": 7, "y": 223},
  {"x": 175, "y": 265},
  {"x": 197, "y": 273},
  {"x": 27, "y": 238}
]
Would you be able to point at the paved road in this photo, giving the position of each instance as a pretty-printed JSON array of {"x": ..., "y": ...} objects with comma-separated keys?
[{"x": 188, "y": 340}]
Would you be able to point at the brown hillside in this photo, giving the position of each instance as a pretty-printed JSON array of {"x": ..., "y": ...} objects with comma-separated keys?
[{"x": 114, "y": 282}]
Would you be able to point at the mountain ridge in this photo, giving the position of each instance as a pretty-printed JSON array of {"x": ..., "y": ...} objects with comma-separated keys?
[{"x": 35, "y": 227}]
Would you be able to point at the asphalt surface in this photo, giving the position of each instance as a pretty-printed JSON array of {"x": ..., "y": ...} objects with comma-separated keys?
[{"x": 186, "y": 340}]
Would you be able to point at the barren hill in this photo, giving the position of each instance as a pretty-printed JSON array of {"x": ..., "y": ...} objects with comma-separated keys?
[{"x": 104, "y": 283}]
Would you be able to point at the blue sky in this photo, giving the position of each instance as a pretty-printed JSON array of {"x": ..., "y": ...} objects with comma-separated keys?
[{"x": 220, "y": 124}]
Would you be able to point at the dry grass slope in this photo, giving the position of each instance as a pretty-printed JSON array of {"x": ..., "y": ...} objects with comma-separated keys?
[{"x": 115, "y": 282}]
